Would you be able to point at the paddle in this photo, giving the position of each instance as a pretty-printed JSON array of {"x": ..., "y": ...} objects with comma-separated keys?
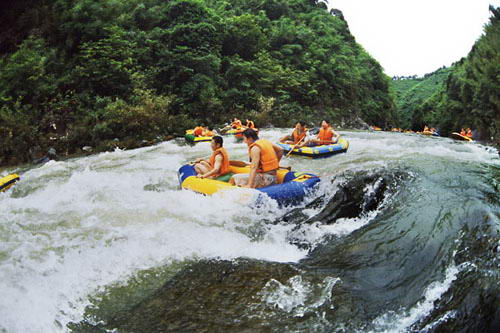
[{"x": 295, "y": 145}]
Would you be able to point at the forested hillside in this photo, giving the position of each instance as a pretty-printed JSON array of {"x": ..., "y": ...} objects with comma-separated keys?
[
  {"x": 470, "y": 96},
  {"x": 411, "y": 92},
  {"x": 97, "y": 72}
]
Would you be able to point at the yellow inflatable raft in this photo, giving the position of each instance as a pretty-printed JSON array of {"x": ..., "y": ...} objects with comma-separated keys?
[
  {"x": 291, "y": 186},
  {"x": 189, "y": 136},
  {"x": 7, "y": 181}
]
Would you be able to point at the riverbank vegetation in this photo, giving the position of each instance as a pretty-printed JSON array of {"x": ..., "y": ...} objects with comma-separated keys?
[{"x": 94, "y": 72}]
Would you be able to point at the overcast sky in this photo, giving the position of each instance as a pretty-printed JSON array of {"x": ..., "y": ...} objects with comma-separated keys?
[{"x": 415, "y": 36}]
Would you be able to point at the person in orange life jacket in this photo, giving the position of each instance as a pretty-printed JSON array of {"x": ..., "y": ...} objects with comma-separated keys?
[
  {"x": 298, "y": 134},
  {"x": 217, "y": 165},
  {"x": 325, "y": 136},
  {"x": 250, "y": 124},
  {"x": 198, "y": 131},
  {"x": 236, "y": 123},
  {"x": 462, "y": 132},
  {"x": 207, "y": 131},
  {"x": 264, "y": 162},
  {"x": 469, "y": 133}
]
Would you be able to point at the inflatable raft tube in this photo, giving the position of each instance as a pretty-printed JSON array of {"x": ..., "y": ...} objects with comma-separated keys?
[
  {"x": 189, "y": 136},
  {"x": 292, "y": 186},
  {"x": 458, "y": 136},
  {"x": 318, "y": 151},
  {"x": 8, "y": 181}
]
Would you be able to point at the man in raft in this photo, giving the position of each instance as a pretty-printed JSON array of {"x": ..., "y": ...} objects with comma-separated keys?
[
  {"x": 326, "y": 136},
  {"x": 264, "y": 162},
  {"x": 297, "y": 136},
  {"x": 217, "y": 165}
]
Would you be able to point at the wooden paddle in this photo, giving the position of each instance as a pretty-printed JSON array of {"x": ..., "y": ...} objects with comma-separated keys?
[{"x": 295, "y": 145}]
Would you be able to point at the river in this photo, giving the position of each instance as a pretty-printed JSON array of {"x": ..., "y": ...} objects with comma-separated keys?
[{"x": 402, "y": 235}]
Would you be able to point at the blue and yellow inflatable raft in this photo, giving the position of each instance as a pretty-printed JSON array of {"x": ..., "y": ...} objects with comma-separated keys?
[
  {"x": 7, "y": 181},
  {"x": 291, "y": 188},
  {"x": 189, "y": 136},
  {"x": 318, "y": 151}
]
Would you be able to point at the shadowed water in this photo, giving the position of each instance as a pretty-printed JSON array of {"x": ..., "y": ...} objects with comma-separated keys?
[{"x": 402, "y": 235}]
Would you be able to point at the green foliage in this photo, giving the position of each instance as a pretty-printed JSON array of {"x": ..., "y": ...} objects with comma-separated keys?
[
  {"x": 412, "y": 92},
  {"x": 91, "y": 71}
]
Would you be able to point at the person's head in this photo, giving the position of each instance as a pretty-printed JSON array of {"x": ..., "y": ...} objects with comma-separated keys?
[
  {"x": 217, "y": 142},
  {"x": 300, "y": 125},
  {"x": 250, "y": 136},
  {"x": 325, "y": 124}
]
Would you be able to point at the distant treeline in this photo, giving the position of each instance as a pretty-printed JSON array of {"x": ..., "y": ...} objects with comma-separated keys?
[
  {"x": 94, "y": 72},
  {"x": 465, "y": 95}
]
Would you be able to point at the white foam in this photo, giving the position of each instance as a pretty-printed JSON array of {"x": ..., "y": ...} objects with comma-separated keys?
[{"x": 75, "y": 226}]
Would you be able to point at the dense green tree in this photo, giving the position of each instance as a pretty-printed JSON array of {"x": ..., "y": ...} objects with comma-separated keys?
[{"x": 86, "y": 72}]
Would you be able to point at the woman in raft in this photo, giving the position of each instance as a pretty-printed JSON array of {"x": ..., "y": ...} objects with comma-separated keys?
[
  {"x": 297, "y": 136},
  {"x": 326, "y": 136},
  {"x": 217, "y": 165}
]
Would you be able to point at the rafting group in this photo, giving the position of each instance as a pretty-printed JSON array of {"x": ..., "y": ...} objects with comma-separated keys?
[
  {"x": 263, "y": 172},
  {"x": 204, "y": 133},
  {"x": 464, "y": 135}
]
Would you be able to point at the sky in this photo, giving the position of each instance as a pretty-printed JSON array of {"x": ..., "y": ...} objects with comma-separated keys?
[{"x": 415, "y": 37}]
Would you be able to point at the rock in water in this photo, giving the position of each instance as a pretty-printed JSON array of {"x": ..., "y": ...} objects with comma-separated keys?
[{"x": 207, "y": 296}]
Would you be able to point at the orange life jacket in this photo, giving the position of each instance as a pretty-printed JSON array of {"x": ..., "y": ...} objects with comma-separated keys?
[
  {"x": 208, "y": 133},
  {"x": 250, "y": 124},
  {"x": 268, "y": 159},
  {"x": 469, "y": 133},
  {"x": 198, "y": 131},
  {"x": 325, "y": 135},
  {"x": 462, "y": 132},
  {"x": 296, "y": 137},
  {"x": 224, "y": 168},
  {"x": 237, "y": 124}
]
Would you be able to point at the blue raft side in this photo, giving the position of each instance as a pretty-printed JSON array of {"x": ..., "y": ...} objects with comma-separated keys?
[
  {"x": 185, "y": 171},
  {"x": 288, "y": 192}
]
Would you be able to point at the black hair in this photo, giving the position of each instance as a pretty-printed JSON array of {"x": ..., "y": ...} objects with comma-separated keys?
[
  {"x": 218, "y": 140},
  {"x": 302, "y": 123},
  {"x": 327, "y": 121},
  {"x": 250, "y": 133}
]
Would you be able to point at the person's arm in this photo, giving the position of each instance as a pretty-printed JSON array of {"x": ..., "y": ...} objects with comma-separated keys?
[
  {"x": 336, "y": 136},
  {"x": 286, "y": 138},
  {"x": 255, "y": 156},
  {"x": 198, "y": 160},
  {"x": 279, "y": 151},
  {"x": 216, "y": 168}
]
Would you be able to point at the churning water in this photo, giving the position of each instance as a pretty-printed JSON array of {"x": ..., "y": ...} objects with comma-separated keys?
[{"x": 402, "y": 235}]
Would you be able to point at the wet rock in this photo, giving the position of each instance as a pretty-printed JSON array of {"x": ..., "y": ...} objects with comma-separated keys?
[{"x": 208, "y": 296}]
